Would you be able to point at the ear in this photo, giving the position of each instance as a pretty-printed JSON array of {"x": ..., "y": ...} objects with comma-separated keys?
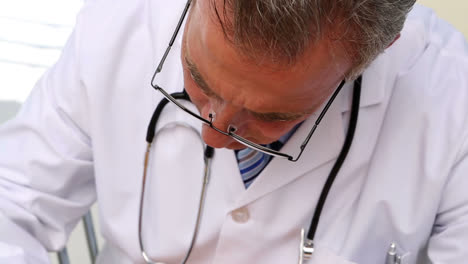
[{"x": 396, "y": 38}]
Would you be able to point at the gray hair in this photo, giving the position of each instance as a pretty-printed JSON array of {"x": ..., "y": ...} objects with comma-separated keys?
[{"x": 281, "y": 30}]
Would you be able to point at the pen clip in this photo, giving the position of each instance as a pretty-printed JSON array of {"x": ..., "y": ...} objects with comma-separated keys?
[{"x": 392, "y": 256}]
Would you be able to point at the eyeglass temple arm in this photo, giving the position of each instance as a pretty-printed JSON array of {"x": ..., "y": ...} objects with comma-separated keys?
[
  {"x": 319, "y": 119},
  {"x": 171, "y": 42}
]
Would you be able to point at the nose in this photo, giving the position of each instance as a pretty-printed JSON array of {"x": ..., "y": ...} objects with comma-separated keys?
[{"x": 223, "y": 116}]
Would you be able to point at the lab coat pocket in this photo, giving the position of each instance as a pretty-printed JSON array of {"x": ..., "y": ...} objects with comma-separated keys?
[{"x": 323, "y": 255}]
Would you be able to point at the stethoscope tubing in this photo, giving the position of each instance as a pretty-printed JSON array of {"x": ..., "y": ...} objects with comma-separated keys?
[
  {"x": 208, "y": 156},
  {"x": 307, "y": 243}
]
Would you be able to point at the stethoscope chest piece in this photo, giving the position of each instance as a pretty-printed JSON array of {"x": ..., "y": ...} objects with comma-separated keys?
[{"x": 306, "y": 248}]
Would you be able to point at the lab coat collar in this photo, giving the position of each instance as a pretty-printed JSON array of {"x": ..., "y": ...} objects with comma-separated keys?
[{"x": 374, "y": 80}]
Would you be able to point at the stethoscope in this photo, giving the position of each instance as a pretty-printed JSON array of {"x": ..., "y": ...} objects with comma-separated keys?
[{"x": 306, "y": 247}]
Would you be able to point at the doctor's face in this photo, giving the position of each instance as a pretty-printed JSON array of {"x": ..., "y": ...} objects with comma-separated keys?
[{"x": 263, "y": 102}]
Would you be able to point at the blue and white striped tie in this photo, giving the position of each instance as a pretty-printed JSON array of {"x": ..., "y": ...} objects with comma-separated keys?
[{"x": 251, "y": 163}]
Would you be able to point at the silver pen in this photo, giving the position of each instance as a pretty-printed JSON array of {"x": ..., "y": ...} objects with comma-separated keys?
[{"x": 391, "y": 257}]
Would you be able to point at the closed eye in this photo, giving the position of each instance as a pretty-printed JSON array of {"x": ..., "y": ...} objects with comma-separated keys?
[{"x": 277, "y": 117}]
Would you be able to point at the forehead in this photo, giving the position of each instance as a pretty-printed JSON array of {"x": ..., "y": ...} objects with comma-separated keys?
[{"x": 226, "y": 70}]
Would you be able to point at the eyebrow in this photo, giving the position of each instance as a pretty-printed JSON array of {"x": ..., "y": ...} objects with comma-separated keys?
[
  {"x": 267, "y": 117},
  {"x": 197, "y": 77}
]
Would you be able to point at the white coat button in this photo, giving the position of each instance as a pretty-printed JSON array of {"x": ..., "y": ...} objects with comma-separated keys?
[{"x": 240, "y": 215}]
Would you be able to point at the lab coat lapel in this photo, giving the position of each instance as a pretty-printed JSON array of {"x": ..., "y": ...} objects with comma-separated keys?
[{"x": 323, "y": 147}]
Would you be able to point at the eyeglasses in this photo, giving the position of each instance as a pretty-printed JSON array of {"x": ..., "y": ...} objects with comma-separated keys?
[{"x": 231, "y": 129}]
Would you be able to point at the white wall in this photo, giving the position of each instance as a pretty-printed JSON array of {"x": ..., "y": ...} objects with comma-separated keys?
[{"x": 454, "y": 11}]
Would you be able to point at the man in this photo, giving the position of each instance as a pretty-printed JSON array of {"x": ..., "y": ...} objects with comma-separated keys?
[{"x": 262, "y": 71}]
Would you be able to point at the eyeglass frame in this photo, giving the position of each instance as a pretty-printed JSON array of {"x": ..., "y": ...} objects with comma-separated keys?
[{"x": 232, "y": 129}]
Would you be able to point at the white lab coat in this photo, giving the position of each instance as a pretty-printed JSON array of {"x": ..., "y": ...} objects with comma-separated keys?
[{"x": 80, "y": 137}]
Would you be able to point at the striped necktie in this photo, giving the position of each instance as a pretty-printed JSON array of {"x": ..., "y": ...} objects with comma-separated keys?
[{"x": 251, "y": 163}]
